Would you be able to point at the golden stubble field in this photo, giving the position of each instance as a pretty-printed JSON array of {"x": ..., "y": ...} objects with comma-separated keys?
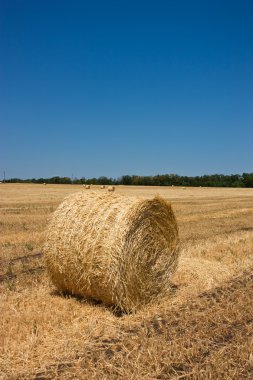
[{"x": 204, "y": 330}]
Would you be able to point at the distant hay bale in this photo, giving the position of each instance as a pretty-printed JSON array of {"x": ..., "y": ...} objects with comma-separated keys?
[
  {"x": 44, "y": 184},
  {"x": 102, "y": 187},
  {"x": 111, "y": 188},
  {"x": 120, "y": 250},
  {"x": 87, "y": 186}
]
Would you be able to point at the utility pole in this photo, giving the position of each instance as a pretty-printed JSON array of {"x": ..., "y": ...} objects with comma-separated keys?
[{"x": 4, "y": 176}]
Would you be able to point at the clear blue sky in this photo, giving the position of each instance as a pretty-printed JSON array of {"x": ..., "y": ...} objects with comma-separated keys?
[{"x": 95, "y": 88}]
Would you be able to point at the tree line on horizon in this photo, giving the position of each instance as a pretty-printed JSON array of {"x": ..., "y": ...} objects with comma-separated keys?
[{"x": 213, "y": 180}]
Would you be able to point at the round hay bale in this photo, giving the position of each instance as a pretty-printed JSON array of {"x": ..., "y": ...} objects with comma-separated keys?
[
  {"x": 111, "y": 188},
  {"x": 87, "y": 187},
  {"x": 102, "y": 187},
  {"x": 120, "y": 250}
]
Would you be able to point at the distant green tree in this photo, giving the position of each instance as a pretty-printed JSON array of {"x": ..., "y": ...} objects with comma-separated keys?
[
  {"x": 126, "y": 180},
  {"x": 103, "y": 181},
  {"x": 247, "y": 179},
  {"x": 214, "y": 180}
]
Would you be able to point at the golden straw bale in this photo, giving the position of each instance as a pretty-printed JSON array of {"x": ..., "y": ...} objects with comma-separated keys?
[
  {"x": 102, "y": 187},
  {"x": 111, "y": 188},
  {"x": 117, "y": 249},
  {"x": 87, "y": 186}
]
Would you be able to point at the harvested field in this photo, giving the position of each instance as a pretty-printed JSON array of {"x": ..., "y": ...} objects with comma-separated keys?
[{"x": 202, "y": 330}]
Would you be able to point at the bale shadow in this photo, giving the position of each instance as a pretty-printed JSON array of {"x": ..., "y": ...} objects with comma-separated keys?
[
  {"x": 116, "y": 311},
  {"x": 90, "y": 301}
]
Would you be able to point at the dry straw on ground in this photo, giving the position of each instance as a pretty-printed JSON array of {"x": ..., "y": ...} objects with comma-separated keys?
[{"x": 117, "y": 249}]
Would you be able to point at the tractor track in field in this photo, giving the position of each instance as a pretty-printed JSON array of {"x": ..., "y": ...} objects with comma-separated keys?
[
  {"x": 26, "y": 257},
  {"x": 9, "y": 275},
  {"x": 13, "y": 276},
  {"x": 219, "y": 330}
]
